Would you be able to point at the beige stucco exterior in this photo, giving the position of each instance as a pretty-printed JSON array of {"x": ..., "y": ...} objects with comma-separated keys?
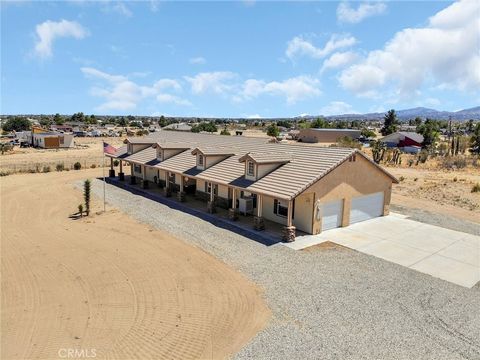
[
  {"x": 326, "y": 135},
  {"x": 350, "y": 179}
]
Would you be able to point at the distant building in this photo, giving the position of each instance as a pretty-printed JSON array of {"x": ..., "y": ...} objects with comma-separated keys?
[
  {"x": 53, "y": 140},
  {"x": 178, "y": 127},
  {"x": 402, "y": 138},
  {"x": 326, "y": 135}
]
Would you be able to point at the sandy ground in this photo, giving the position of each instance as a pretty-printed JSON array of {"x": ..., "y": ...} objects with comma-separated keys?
[
  {"x": 87, "y": 151},
  {"x": 442, "y": 192},
  {"x": 109, "y": 285}
]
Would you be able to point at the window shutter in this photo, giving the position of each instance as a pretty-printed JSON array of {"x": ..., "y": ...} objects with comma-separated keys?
[{"x": 275, "y": 206}]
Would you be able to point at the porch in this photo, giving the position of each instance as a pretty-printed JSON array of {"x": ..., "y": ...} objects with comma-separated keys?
[{"x": 190, "y": 203}]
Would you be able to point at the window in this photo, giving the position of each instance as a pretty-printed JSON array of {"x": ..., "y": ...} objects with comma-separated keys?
[
  {"x": 208, "y": 188},
  {"x": 279, "y": 208},
  {"x": 250, "y": 168},
  {"x": 137, "y": 168},
  {"x": 200, "y": 160}
]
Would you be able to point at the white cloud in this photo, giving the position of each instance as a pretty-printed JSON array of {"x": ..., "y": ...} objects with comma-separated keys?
[
  {"x": 154, "y": 5},
  {"x": 298, "y": 46},
  {"x": 48, "y": 31},
  {"x": 254, "y": 116},
  {"x": 121, "y": 8},
  {"x": 218, "y": 82},
  {"x": 345, "y": 13},
  {"x": 294, "y": 89},
  {"x": 336, "y": 108},
  {"x": 339, "y": 59},
  {"x": 168, "y": 98},
  {"x": 120, "y": 93},
  {"x": 444, "y": 54},
  {"x": 198, "y": 60}
]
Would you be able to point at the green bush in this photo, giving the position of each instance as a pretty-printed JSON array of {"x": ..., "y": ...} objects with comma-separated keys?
[
  {"x": 476, "y": 188},
  {"x": 93, "y": 166},
  {"x": 115, "y": 163},
  {"x": 60, "y": 167},
  {"x": 77, "y": 166},
  {"x": 46, "y": 169}
]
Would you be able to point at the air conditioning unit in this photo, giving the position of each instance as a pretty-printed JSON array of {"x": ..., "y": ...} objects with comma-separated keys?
[{"x": 245, "y": 205}]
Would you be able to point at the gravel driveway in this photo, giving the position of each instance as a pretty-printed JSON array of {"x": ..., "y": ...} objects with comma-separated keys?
[{"x": 331, "y": 302}]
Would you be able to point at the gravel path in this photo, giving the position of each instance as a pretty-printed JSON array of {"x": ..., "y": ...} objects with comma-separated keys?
[
  {"x": 444, "y": 221},
  {"x": 331, "y": 303}
]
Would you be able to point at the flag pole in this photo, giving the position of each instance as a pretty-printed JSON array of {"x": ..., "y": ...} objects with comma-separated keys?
[{"x": 103, "y": 176}]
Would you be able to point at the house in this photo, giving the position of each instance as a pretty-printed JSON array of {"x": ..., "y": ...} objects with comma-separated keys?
[
  {"x": 312, "y": 135},
  {"x": 402, "y": 139},
  {"x": 63, "y": 128},
  {"x": 298, "y": 188},
  {"x": 52, "y": 140}
]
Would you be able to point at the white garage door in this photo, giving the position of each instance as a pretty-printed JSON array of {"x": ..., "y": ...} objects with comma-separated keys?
[
  {"x": 366, "y": 207},
  {"x": 332, "y": 214}
]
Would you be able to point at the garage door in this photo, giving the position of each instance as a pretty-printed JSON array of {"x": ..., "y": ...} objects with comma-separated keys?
[
  {"x": 366, "y": 207},
  {"x": 332, "y": 214}
]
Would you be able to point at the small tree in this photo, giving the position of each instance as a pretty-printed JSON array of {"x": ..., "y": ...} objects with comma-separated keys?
[
  {"x": 390, "y": 123},
  {"x": 80, "y": 210},
  {"x": 16, "y": 123},
  {"x": 225, "y": 131},
  {"x": 378, "y": 151},
  {"x": 475, "y": 140},
  {"x": 77, "y": 166},
  {"x": 272, "y": 130},
  {"x": 86, "y": 195}
]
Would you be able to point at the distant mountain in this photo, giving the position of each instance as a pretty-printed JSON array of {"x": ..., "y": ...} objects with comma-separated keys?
[{"x": 422, "y": 112}]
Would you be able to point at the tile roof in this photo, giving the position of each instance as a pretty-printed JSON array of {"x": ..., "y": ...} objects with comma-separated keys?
[
  {"x": 306, "y": 166},
  {"x": 267, "y": 157}
]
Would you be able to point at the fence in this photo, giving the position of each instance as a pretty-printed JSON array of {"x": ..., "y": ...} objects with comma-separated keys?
[{"x": 47, "y": 166}]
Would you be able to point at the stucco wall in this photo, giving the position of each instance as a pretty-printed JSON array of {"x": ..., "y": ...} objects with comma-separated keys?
[
  {"x": 137, "y": 147},
  {"x": 267, "y": 210},
  {"x": 264, "y": 169},
  {"x": 351, "y": 179},
  {"x": 303, "y": 212},
  {"x": 212, "y": 160},
  {"x": 325, "y": 136},
  {"x": 150, "y": 173}
]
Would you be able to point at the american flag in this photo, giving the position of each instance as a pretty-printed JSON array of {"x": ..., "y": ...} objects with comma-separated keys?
[{"x": 108, "y": 149}]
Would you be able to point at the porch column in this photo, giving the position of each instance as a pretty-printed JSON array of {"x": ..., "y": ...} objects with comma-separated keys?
[
  {"x": 144, "y": 178},
  {"x": 211, "y": 203},
  {"x": 111, "y": 172},
  {"x": 258, "y": 222},
  {"x": 181, "y": 194},
  {"x": 121, "y": 175},
  {"x": 232, "y": 212},
  {"x": 289, "y": 230},
  {"x": 168, "y": 190},
  {"x": 133, "y": 179}
]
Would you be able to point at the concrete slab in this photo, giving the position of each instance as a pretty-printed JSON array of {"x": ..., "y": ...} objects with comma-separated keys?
[
  {"x": 463, "y": 251},
  {"x": 450, "y": 270},
  {"x": 396, "y": 253},
  {"x": 447, "y": 254}
]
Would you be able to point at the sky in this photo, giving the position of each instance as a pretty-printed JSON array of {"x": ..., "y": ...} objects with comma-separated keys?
[{"x": 238, "y": 58}]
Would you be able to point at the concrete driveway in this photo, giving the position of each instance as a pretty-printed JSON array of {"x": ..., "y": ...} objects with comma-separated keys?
[{"x": 449, "y": 255}]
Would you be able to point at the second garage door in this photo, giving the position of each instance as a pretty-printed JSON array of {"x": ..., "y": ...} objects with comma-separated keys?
[{"x": 366, "y": 207}]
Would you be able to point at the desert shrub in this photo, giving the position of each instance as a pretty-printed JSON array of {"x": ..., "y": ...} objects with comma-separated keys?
[
  {"x": 476, "y": 188},
  {"x": 423, "y": 156},
  {"x": 115, "y": 163},
  {"x": 455, "y": 179},
  {"x": 4, "y": 173},
  {"x": 410, "y": 162},
  {"x": 453, "y": 162},
  {"x": 401, "y": 178},
  {"x": 32, "y": 171},
  {"x": 77, "y": 166},
  {"x": 416, "y": 179},
  {"x": 80, "y": 209},
  {"x": 46, "y": 169},
  {"x": 93, "y": 166},
  {"x": 60, "y": 167},
  {"x": 348, "y": 142}
]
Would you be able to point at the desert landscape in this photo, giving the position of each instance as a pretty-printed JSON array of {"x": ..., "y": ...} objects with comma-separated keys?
[{"x": 108, "y": 284}]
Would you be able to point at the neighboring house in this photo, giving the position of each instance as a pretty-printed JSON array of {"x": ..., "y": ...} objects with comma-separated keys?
[
  {"x": 402, "y": 139},
  {"x": 309, "y": 189},
  {"x": 312, "y": 135},
  {"x": 178, "y": 127},
  {"x": 53, "y": 140},
  {"x": 64, "y": 128}
]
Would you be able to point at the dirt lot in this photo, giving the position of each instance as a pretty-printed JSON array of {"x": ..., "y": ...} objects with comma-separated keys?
[
  {"x": 87, "y": 151},
  {"x": 109, "y": 284}
]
